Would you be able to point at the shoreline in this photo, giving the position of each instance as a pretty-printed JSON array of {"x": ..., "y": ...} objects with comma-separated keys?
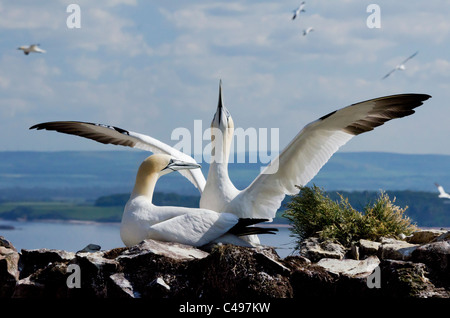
[{"x": 88, "y": 222}]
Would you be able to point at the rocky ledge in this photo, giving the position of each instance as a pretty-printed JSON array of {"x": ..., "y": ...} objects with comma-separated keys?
[{"x": 416, "y": 267}]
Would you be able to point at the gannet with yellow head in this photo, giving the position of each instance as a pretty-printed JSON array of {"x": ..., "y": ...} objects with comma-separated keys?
[{"x": 192, "y": 226}]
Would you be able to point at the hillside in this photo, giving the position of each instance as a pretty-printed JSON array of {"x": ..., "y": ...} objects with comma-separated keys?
[
  {"x": 108, "y": 172},
  {"x": 85, "y": 178}
]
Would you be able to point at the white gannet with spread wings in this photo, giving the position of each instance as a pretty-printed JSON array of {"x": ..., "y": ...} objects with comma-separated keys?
[
  {"x": 300, "y": 161},
  {"x": 308, "y": 30},
  {"x": 33, "y": 48},
  {"x": 401, "y": 66},
  {"x": 442, "y": 193},
  {"x": 301, "y": 8}
]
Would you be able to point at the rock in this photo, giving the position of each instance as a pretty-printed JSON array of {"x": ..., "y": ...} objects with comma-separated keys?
[
  {"x": 120, "y": 287},
  {"x": 395, "y": 249},
  {"x": 9, "y": 268},
  {"x": 157, "y": 270},
  {"x": 315, "y": 249},
  {"x": 443, "y": 237},
  {"x": 168, "y": 249},
  {"x": 49, "y": 281},
  {"x": 26, "y": 288},
  {"x": 7, "y": 244},
  {"x": 311, "y": 281},
  {"x": 368, "y": 248},
  {"x": 232, "y": 271},
  {"x": 33, "y": 260},
  {"x": 350, "y": 267},
  {"x": 95, "y": 271},
  {"x": 268, "y": 257},
  {"x": 90, "y": 248},
  {"x": 405, "y": 279},
  {"x": 424, "y": 236},
  {"x": 436, "y": 256},
  {"x": 159, "y": 287}
]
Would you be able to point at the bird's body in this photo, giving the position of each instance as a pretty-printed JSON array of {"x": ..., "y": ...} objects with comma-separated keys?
[
  {"x": 308, "y": 30},
  {"x": 442, "y": 193},
  {"x": 33, "y": 48},
  {"x": 197, "y": 227},
  {"x": 300, "y": 9},
  {"x": 400, "y": 67}
]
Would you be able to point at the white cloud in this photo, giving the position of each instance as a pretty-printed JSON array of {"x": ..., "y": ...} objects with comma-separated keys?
[
  {"x": 93, "y": 68},
  {"x": 154, "y": 66}
]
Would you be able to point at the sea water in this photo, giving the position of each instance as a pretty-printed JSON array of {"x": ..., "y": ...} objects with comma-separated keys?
[{"x": 73, "y": 236}]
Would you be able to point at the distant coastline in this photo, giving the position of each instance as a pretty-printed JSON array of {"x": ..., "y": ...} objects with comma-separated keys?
[{"x": 6, "y": 227}]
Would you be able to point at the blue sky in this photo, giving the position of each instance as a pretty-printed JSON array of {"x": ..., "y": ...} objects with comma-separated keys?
[{"x": 154, "y": 66}]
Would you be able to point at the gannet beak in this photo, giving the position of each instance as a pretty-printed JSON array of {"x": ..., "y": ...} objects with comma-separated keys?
[
  {"x": 175, "y": 164},
  {"x": 221, "y": 112}
]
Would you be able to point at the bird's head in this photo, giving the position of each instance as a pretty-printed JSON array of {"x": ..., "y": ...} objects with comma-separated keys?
[
  {"x": 222, "y": 126},
  {"x": 222, "y": 118},
  {"x": 154, "y": 167},
  {"x": 162, "y": 164}
]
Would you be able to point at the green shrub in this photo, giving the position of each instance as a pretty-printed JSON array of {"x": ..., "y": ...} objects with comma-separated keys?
[{"x": 313, "y": 213}]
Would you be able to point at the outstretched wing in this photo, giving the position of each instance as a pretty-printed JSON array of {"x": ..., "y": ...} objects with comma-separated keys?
[
  {"x": 410, "y": 58},
  {"x": 393, "y": 70},
  {"x": 305, "y": 155},
  {"x": 107, "y": 134},
  {"x": 440, "y": 188}
]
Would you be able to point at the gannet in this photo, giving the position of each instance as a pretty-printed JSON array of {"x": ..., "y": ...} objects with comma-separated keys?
[
  {"x": 301, "y": 160},
  {"x": 32, "y": 48},
  {"x": 442, "y": 193},
  {"x": 191, "y": 226},
  {"x": 299, "y": 10},
  {"x": 401, "y": 66},
  {"x": 305, "y": 32},
  {"x": 295, "y": 166}
]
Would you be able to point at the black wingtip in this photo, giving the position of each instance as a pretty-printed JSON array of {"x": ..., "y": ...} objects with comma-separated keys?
[{"x": 244, "y": 227}]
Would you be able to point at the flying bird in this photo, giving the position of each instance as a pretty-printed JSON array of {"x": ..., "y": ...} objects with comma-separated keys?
[
  {"x": 299, "y": 10},
  {"x": 305, "y": 32},
  {"x": 401, "y": 66},
  {"x": 32, "y": 48},
  {"x": 142, "y": 219},
  {"x": 442, "y": 193},
  {"x": 296, "y": 165}
]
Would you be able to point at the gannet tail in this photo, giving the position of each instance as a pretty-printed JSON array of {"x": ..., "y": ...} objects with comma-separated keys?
[{"x": 244, "y": 227}]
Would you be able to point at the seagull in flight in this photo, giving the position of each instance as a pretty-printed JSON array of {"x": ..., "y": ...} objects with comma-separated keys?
[
  {"x": 305, "y": 32},
  {"x": 298, "y": 10},
  {"x": 32, "y": 48},
  {"x": 442, "y": 193},
  {"x": 401, "y": 66}
]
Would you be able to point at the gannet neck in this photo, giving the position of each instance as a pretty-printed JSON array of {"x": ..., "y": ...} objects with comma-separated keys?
[
  {"x": 145, "y": 183},
  {"x": 218, "y": 170},
  {"x": 152, "y": 168}
]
